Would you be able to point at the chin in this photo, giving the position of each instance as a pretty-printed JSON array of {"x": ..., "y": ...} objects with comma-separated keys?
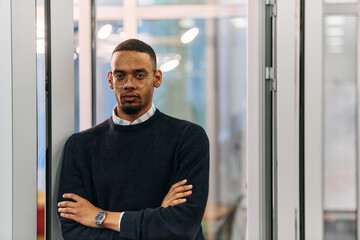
[{"x": 131, "y": 110}]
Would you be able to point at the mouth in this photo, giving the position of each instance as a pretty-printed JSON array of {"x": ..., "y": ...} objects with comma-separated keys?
[{"x": 129, "y": 97}]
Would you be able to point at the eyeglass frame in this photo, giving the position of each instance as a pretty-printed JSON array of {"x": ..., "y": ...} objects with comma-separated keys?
[{"x": 131, "y": 79}]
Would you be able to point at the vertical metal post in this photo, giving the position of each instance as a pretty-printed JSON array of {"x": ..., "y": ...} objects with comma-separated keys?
[
  {"x": 6, "y": 125},
  {"x": 60, "y": 99},
  {"x": 270, "y": 120},
  {"x": 302, "y": 122}
]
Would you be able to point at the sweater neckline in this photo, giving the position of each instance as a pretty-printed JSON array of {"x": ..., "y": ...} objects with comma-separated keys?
[{"x": 135, "y": 126}]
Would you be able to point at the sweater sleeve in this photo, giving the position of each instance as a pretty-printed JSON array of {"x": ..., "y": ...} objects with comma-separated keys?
[
  {"x": 182, "y": 221},
  {"x": 72, "y": 181}
]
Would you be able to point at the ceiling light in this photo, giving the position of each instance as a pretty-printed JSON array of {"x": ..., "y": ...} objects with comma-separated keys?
[
  {"x": 189, "y": 35},
  {"x": 105, "y": 31},
  {"x": 169, "y": 65}
]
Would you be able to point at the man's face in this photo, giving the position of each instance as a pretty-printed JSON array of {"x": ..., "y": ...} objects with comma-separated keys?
[{"x": 133, "y": 101}]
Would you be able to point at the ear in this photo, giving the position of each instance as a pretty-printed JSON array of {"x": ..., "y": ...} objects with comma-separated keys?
[
  {"x": 157, "y": 78},
  {"x": 110, "y": 81}
]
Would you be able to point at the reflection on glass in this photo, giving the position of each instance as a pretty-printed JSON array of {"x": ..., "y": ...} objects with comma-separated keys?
[
  {"x": 231, "y": 198},
  {"x": 40, "y": 63},
  {"x": 187, "y": 2},
  {"x": 196, "y": 55},
  {"x": 76, "y": 66},
  {"x": 182, "y": 93},
  {"x": 340, "y": 138}
]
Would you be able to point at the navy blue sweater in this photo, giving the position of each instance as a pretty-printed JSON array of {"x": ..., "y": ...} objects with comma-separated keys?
[{"x": 131, "y": 168}]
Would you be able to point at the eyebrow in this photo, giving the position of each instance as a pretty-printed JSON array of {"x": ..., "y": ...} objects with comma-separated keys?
[{"x": 136, "y": 70}]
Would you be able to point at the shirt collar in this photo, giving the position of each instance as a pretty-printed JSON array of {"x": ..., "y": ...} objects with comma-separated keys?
[{"x": 143, "y": 118}]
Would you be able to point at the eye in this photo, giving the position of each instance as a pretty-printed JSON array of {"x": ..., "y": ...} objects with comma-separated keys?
[
  {"x": 140, "y": 75},
  {"x": 119, "y": 76}
]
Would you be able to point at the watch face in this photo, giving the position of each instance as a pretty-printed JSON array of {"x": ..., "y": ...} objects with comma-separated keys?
[
  {"x": 99, "y": 219},
  {"x": 99, "y": 216}
]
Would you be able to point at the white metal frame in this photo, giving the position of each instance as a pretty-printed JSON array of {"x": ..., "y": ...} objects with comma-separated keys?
[
  {"x": 85, "y": 73},
  {"x": 255, "y": 145},
  {"x": 314, "y": 227},
  {"x": 18, "y": 139},
  {"x": 287, "y": 120}
]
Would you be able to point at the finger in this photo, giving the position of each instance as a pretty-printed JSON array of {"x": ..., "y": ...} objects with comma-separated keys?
[
  {"x": 182, "y": 194},
  {"x": 68, "y": 216},
  {"x": 183, "y": 188},
  {"x": 178, "y": 201},
  {"x": 180, "y": 189},
  {"x": 178, "y": 196},
  {"x": 67, "y": 204},
  {"x": 182, "y": 182},
  {"x": 72, "y": 196},
  {"x": 67, "y": 210}
]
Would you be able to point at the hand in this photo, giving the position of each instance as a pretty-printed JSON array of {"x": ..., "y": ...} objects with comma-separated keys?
[
  {"x": 177, "y": 193},
  {"x": 81, "y": 211}
]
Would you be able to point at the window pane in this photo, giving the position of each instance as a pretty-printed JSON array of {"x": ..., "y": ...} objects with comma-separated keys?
[{"x": 340, "y": 153}]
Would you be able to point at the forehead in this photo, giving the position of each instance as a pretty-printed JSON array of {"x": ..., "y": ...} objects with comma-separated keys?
[{"x": 130, "y": 60}]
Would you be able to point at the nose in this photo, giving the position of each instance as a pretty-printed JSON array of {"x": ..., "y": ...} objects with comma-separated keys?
[{"x": 130, "y": 85}]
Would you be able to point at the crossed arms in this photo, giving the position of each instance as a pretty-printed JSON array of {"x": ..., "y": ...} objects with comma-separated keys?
[{"x": 84, "y": 212}]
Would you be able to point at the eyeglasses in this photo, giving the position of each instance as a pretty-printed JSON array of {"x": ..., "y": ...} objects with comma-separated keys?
[{"x": 139, "y": 79}]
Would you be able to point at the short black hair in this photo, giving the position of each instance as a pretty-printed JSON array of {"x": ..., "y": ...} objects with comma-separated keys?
[{"x": 138, "y": 46}]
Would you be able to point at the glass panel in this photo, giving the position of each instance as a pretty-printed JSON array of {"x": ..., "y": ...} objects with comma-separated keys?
[
  {"x": 183, "y": 94},
  {"x": 108, "y": 32},
  {"x": 230, "y": 199},
  {"x": 340, "y": 125},
  {"x": 206, "y": 53},
  {"x": 340, "y": 1},
  {"x": 40, "y": 63}
]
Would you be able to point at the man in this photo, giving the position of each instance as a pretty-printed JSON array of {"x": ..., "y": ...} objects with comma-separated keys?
[{"x": 125, "y": 178}]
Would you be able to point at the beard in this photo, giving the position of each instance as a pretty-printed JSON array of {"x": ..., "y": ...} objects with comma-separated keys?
[{"x": 131, "y": 110}]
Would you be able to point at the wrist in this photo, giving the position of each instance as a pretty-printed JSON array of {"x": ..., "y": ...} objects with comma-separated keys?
[{"x": 112, "y": 221}]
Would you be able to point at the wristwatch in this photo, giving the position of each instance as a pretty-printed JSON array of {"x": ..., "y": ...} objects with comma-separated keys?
[{"x": 99, "y": 219}]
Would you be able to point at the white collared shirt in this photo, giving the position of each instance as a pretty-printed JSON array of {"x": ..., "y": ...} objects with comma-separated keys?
[
  {"x": 143, "y": 118},
  {"x": 120, "y": 121}
]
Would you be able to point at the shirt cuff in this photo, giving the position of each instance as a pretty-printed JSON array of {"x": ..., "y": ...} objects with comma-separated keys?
[{"x": 121, "y": 215}]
